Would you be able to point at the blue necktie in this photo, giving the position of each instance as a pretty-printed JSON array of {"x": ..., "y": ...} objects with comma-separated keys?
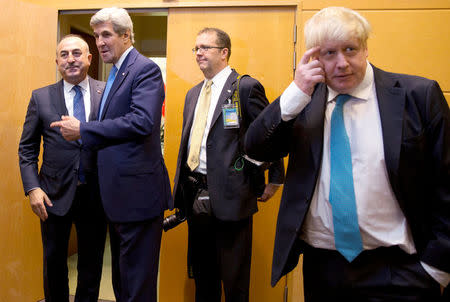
[
  {"x": 111, "y": 78},
  {"x": 79, "y": 114},
  {"x": 342, "y": 193}
]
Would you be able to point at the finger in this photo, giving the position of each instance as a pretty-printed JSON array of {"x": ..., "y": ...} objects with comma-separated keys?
[
  {"x": 48, "y": 201},
  {"x": 309, "y": 54},
  {"x": 44, "y": 214},
  {"x": 65, "y": 117},
  {"x": 56, "y": 124}
]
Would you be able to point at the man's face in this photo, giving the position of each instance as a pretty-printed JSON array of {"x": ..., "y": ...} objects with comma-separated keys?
[
  {"x": 344, "y": 63},
  {"x": 110, "y": 45},
  {"x": 211, "y": 61},
  {"x": 73, "y": 59}
]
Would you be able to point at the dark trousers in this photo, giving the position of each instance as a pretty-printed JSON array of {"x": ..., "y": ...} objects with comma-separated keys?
[
  {"x": 381, "y": 275},
  {"x": 135, "y": 258},
  {"x": 90, "y": 223},
  {"x": 220, "y": 251}
]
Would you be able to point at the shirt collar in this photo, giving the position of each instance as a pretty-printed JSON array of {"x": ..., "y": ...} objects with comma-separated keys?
[
  {"x": 83, "y": 84},
  {"x": 220, "y": 78},
  {"x": 362, "y": 91},
  {"x": 122, "y": 57}
]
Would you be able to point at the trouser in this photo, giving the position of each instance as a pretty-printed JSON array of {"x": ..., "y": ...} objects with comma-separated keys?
[
  {"x": 382, "y": 274},
  {"x": 135, "y": 258},
  {"x": 90, "y": 223},
  {"x": 220, "y": 252}
]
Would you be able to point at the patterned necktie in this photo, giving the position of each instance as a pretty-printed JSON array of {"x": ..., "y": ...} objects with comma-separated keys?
[
  {"x": 79, "y": 114},
  {"x": 198, "y": 127},
  {"x": 342, "y": 193},
  {"x": 111, "y": 78}
]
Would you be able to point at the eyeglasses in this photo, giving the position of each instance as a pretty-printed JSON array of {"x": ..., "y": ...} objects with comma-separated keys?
[{"x": 204, "y": 49}]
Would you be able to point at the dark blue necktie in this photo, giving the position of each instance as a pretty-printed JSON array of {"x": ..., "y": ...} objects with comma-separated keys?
[
  {"x": 79, "y": 114},
  {"x": 111, "y": 78},
  {"x": 342, "y": 193}
]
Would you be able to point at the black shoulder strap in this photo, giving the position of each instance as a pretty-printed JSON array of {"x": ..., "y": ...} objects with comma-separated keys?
[{"x": 236, "y": 98}]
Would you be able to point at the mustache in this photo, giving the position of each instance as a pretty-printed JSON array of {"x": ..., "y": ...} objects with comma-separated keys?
[{"x": 71, "y": 66}]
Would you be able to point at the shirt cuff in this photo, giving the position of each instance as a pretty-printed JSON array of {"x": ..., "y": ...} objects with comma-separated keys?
[
  {"x": 292, "y": 102},
  {"x": 440, "y": 276}
]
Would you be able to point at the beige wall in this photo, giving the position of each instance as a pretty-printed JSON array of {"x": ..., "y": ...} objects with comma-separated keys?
[
  {"x": 27, "y": 55},
  {"x": 410, "y": 36}
]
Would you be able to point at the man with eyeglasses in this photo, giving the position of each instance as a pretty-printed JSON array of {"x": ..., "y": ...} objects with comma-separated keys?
[{"x": 216, "y": 185}]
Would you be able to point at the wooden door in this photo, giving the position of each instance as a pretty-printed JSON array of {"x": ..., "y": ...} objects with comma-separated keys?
[{"x": 262, "y": 45}]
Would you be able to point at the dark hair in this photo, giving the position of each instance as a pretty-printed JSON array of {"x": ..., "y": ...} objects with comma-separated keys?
[{"x": 223, "y": 39}]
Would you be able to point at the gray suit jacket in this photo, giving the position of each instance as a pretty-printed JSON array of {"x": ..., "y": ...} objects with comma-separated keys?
[{"x": 58, "y": 176}]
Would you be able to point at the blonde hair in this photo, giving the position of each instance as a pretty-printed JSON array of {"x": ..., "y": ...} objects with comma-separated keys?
[
  {"x": 336, "y": 24},
  {"x": 119, "y": 18}
]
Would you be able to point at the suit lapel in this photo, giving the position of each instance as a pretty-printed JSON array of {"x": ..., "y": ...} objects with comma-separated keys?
[
  {"x": 315, "y": 115},
  {"x": 226, "y": 94},
  {"x": 120, "y": 77},
  {"x": 96, "y": 91},
  {"x": 391, "y": 103},
  {"x": 60, "y": 102},
  {"x": 191, "y": 103}
]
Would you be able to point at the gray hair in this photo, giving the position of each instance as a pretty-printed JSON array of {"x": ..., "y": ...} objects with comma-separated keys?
[
  {"x": 119, "y": 18},
  {"x": 337, "y": 24}
]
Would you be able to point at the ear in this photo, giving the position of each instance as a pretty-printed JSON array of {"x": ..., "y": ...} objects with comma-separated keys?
[
  {"x": 90, "y": 58},
  {"x": 224, "y": 53},
  {"x": 126, "y": 36}
]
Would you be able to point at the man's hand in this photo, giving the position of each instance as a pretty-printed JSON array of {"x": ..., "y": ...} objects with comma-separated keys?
[
  {"x": 37, "y": 199},
  {"x": 309, "y": 71},
  {"x": 69, "y": 127},
  {"x": 269, "y": 191}
]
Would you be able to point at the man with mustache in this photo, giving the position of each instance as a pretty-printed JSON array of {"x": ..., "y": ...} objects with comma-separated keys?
[
  {"x": 65, "y": 190},
  {"x": 367, "y": 193}
]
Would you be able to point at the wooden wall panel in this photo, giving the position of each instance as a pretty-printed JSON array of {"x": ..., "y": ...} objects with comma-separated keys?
[{"x": 27, "y": 55}]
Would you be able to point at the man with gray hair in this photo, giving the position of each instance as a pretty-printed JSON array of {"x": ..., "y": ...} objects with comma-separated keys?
[
  {"x": 367, "y": 193},
  {"x": 133, "y": 179}
]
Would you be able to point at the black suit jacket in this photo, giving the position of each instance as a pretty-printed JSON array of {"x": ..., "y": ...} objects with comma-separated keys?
[
  {"x": 233, "y": 193},
  {"x": 416, "y": 137},
  {"x": 58, "y": 176}
]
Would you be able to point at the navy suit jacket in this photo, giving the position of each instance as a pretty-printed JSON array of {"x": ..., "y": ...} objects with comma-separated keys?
[
  {"x": 134, "y": 184},
  {"x": 415, "y": 121},
  {"x": 58, "y": 176},
  {"x": 233, "y": 193}
]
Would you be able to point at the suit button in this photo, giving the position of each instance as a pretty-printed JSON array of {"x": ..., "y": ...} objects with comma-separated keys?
[{"x": 209, "y": 146}]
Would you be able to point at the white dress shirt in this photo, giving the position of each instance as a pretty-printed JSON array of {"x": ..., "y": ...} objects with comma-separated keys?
[
  {"x": 69, "y": 94},
  {"x": 218, "y": 81},
  {"x": 381, "y": 221}
]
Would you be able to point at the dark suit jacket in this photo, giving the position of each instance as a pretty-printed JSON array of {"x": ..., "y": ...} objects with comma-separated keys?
[
  {"x": 233, "y": 194},
  {"x": 133, "y": 179},
  {"x": 416, "y": 137},
  {"x": 58, "y": 176}
]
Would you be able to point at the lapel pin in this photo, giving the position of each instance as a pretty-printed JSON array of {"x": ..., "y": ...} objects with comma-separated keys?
[
  {"x": 123, "y": 73},
  {"x": 229, "y": 91},
  {"x": 99, "y": 91}
]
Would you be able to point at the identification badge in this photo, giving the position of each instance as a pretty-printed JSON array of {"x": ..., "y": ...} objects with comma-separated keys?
[{"x": 230, "y": 116}]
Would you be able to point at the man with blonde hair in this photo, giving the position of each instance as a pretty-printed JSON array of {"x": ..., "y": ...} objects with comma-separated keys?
[
  {"x": 133, "y": 179},
  {"x": 367, "y": 193}
]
